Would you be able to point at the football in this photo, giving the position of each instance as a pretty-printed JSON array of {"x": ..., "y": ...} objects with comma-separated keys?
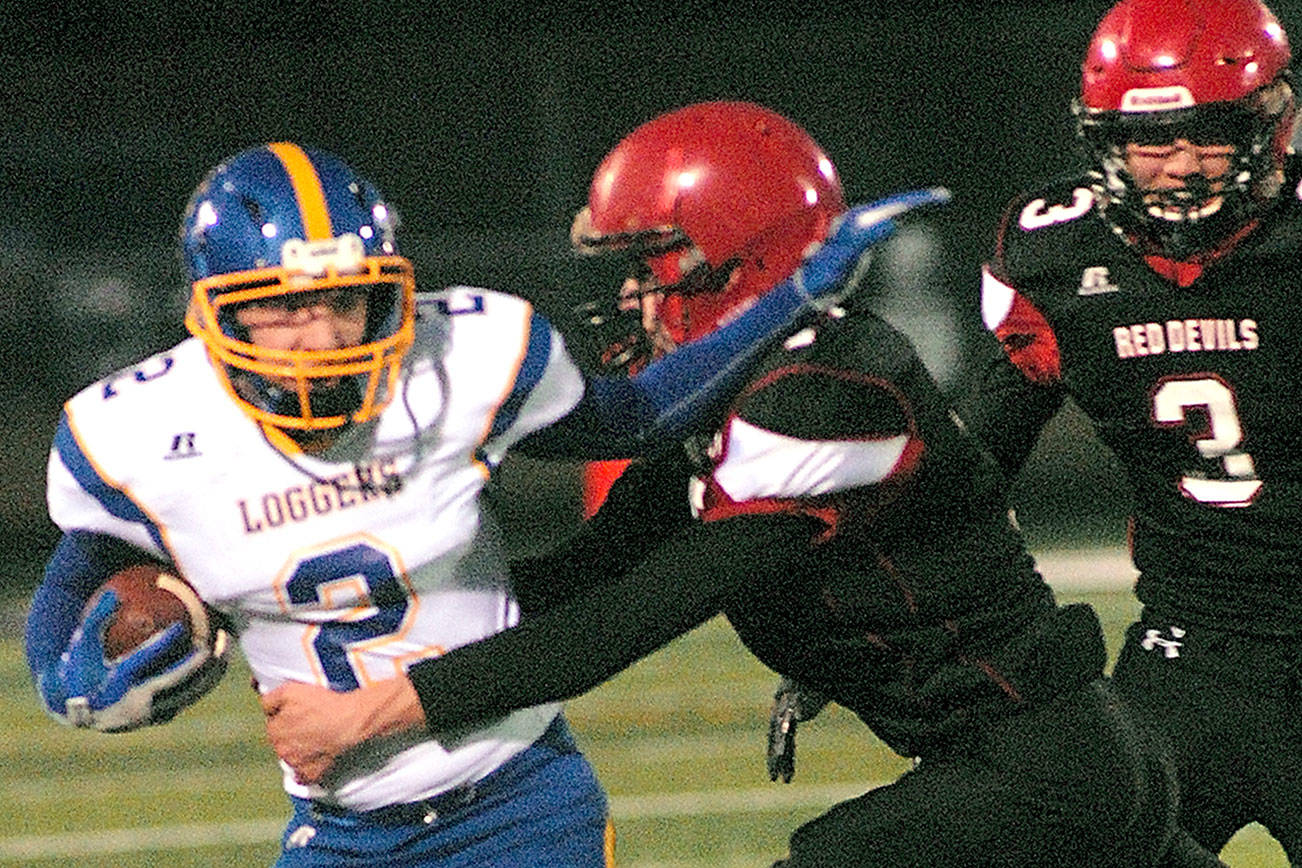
[{"x": 151, "y": 599}]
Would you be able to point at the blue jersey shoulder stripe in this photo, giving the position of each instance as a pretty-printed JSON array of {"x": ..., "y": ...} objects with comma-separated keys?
[
  {"x": 112, "y": 498},
  {"x": 537, "y": 353}
]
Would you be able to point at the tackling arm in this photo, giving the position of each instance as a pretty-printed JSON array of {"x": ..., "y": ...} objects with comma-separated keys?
[
  {"x": 645, "y": 506},
  {"x": 554, "y": 655},
  {"x": 576, "y": 646}
]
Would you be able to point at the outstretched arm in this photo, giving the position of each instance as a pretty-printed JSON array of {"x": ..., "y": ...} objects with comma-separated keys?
[
  {"x": 619, "y": 416},
  {"x": 645, "y": 506}
]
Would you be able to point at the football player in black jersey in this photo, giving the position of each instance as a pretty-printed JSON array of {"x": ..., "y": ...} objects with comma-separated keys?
[
  {"x": 854, "y": 535},
  {"x": 1159, "y": 292}
]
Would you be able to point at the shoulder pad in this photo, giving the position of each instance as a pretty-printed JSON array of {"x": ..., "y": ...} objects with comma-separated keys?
[
  {"x": 837, "y": 381},
  {"x": 152, "y": 382},
  {"x": 1044, "y": 231}
]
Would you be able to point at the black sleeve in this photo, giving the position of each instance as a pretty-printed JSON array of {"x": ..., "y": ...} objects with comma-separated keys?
[
  {"x": 646, "y": 505},
  {"x": 576, "y": 646},
  {"x": 1006, "y": 411}
]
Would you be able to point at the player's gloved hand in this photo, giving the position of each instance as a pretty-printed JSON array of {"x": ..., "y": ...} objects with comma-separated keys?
[
  {"x": 149, "y": 685},
  {"x": 832, "y": 267},
  {"x": 792, "y": 703}
]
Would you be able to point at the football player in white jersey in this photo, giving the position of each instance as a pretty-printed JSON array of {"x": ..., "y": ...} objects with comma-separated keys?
[{"x": 311, "y": 460}]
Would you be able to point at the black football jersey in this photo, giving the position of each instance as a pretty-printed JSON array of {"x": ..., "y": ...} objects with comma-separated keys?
[
  {"x": 1188, "y": 372},
  {"x": 916, "y": 605}
]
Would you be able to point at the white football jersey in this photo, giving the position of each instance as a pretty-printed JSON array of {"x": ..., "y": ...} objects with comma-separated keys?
[{"x": 340, "y": 568}]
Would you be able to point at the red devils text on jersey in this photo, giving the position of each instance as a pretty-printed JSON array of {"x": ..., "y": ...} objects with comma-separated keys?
[{"x": 1188, "y": 372}]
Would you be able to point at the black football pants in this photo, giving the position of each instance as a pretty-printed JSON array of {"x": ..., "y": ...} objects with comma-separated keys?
[
  {"x": 1073, "y": 782},
  {"x": 1230, "y": 706}
]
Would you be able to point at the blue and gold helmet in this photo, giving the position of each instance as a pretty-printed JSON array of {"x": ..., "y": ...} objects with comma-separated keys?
[{"x": 281, "y": 219}]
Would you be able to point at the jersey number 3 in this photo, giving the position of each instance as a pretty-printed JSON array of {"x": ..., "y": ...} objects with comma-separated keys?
[{"x": 1220, "y": 441}]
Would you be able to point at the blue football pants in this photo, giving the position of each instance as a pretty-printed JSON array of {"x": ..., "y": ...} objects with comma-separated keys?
[{"x": 542, "y": 807}]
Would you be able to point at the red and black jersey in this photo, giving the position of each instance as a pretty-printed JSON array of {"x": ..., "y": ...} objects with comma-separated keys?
[
  {"x": 1187, "y": 371},
  {"x": 855, "y": 536},
  {"x": 914, "y": 602}
]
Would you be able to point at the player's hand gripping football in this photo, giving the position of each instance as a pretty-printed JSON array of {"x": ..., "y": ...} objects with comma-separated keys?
[
  {"x": 831, "y": 268},
  {"x": 792, "y": 704},
  {"x": 149, "y": 685}
]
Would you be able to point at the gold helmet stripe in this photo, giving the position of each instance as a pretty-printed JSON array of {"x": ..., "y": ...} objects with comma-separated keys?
[{"x": 307, "y": 189}]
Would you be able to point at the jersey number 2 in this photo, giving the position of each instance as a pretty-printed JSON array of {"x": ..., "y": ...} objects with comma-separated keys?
[
  {"x": 1220, "y": 442},
  {"x": 360, "y": 574}
]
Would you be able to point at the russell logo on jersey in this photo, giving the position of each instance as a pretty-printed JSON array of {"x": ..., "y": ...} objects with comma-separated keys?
[
  {"x": 1095, "y": 280},
  {"x": 183, "y": 446}
]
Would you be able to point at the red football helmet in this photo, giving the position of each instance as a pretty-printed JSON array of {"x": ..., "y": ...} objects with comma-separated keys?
[
  {"x": 1214, "y": 72},
  {"x": 719, "y": 200}
]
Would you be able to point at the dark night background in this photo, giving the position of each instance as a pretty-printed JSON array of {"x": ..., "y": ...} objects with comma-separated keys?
[{"x": 482, "y": 130}]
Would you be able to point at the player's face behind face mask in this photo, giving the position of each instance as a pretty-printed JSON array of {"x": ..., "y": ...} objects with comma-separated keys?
[
  {"x": 1179, "y": 180},
  {"x": 652, "y": 314},
  {"x": 315, "y": 323},
  {"x": 1185, "y": 181},
  {"x": 1186, "y": 113},
  {"x": 306, "y": 357}
]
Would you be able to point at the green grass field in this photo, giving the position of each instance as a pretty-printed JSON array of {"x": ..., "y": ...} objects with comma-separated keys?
[{"x": 678, "y": 740}]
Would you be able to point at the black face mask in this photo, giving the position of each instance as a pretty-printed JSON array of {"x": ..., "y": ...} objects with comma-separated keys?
[
  {"x": 1249, "y": 126},
  {"x": 611, "y": 341}
]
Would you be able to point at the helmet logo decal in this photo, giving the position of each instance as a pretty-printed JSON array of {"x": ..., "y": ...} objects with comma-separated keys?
[
  {"x": 1155, "y": 99},
  {"x": 342, "y": 255}
]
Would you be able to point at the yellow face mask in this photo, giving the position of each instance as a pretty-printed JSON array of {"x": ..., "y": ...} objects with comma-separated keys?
[{"x": 308, "y": 389}]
